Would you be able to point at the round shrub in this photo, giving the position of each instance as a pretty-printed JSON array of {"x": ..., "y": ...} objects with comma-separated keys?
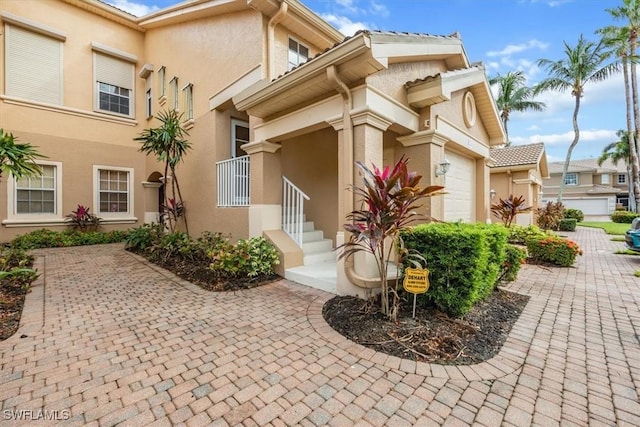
[
  {"x": 553, "y": 250},
  {"x": 514, "y": 259},
  {"x": 567, "y": 224},
  {"x": 571, "y": 213},
  {"x": 624, "y": 217},
  {"x": 518, "y": 234}
]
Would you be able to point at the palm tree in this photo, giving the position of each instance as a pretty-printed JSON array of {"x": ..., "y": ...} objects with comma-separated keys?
[
  {"x": 17, "y": 159},
  {"x": 617, "y": 38},
  {"x": 630, "y": 11},
  {"x": 586, "y": 62},
  {"x": 617, "y": 151},
  {"x": 167, "y": 143},
  {"x": 514, "y": 95}
]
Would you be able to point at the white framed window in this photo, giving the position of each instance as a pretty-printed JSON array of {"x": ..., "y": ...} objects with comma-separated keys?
[
  {"x": 622, "y": 178},
  {"x": 187, "y": 94},
  {"x": 114, "y": 79},
  {"x": 604, "y": 179},
  {"x": 239, "y": 137},
  {"x": 36, "y": 197},
  {"x": 162, "y": 82},
  {"x": 113, "y": 191},
  {"x": 298, "y": 53},
  {"x": 571, "y": 179},
  {"x": 173, "y": 92},
  {"x": 33, "y": 65}
]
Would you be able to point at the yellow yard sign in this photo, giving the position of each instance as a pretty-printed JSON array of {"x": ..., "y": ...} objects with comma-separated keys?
[{"x": 416, "y": 280}]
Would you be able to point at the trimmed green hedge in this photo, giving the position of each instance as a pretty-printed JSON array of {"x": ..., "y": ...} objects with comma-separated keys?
[
  {"x": 624, "y": 217},
  {"x": 567, "y": 224},
  {"x": 464, "y": 261},
  {"x": 55, "y": 239},
  {"x": 554, "y": 250}
]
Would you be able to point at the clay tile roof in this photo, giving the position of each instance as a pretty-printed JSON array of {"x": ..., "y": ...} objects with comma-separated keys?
[
  {"x": 585, "y": 165},
  {"x": 472, "y": 68},
  {"x": 367, "y": 32},
  {"x": 516, "y": 155}
]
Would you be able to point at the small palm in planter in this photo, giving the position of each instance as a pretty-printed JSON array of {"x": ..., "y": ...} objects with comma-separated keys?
[
  {"x": 81, "y": 219},
  {"x": 389, "y": 199}
]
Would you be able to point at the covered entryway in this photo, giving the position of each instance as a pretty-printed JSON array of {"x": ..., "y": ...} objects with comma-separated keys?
[{"x": 459, "y": 202}]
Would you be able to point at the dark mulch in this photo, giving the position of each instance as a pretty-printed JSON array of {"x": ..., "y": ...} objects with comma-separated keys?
[
  {"x": 199, "y": 273},
  {"x": 432, "y": 336},
  {"x": 11, "y": 302}
]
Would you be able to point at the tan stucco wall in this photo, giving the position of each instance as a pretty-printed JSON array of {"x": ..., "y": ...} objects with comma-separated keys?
[
  {"x": 391, "y": 80},
  {"x": 452, "y": 111},
  {"x": 311, "y": 163}
]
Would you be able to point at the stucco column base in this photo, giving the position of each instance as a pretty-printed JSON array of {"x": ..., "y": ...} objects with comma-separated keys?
[
  {"x": 263, "y": 218},
  {"x": 151, "y": 203},
  {"x": 346, "y": 283},
  {"x": 265, "y": 172}
]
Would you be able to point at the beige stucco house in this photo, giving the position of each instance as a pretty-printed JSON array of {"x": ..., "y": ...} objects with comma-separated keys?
[
  {"x": 278, "y": 105},
  {"x": 594, "y": 189},
  {"x": 519, "y": 170}
]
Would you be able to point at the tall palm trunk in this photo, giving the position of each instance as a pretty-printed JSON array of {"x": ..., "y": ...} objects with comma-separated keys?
[
  {"x": 633, "y": 35},
  {"x": 184, "y": 216},
  {"x": 505, "y": 119},
  {"x": 576, "y": 138},
  {"x": 631, "y": 136}
]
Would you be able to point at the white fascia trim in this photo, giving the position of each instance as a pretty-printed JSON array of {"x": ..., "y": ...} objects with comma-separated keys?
[
  {"x": 36, "y": 27},
  {"x": 15, "y": 223},
  {"x": 117, "y": 53},
  {"x": 249, "y": 78},
  {"x": 461, "y": 138}
]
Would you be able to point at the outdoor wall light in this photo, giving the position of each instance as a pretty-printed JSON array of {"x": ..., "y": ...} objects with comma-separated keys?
[
  {"x": 443, "y": 167},
  {"x": 493, "y": 193}
]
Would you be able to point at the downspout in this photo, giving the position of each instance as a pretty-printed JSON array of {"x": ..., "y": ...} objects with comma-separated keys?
[
  {"x": 347, "y": 155},
  {"x": 271, "y": 38}
]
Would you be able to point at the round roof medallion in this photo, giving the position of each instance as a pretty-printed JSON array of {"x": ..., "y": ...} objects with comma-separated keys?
[{"x": 469, "y": 112}]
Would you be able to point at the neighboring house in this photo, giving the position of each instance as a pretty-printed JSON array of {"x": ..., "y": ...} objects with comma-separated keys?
[
  {"x": 594, "y": 189},
  {"x": 519, "y": 170},
  {"x": 278, "y": 105}
]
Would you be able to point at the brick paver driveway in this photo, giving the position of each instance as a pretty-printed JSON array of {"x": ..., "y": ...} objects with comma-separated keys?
[{"x": 123, "y": 342}]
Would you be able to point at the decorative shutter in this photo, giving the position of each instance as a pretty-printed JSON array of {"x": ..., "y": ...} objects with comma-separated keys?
[
  {"x": 114, "y": 71},
  {"x": 33, "y": 66}
]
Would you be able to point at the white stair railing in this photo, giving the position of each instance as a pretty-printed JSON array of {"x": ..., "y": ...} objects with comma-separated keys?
[
  {"x": 233, "y": 182},
  {"x": 293, "y": 210}
]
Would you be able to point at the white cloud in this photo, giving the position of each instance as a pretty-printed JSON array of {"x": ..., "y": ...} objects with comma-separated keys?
[
  {"x": 533, "y": 128},
  {"x": 347, "y": 5},
  {"x": 343, "y": 24},
  {"x": 136, "y": 9},
  {"x": 589, "y": 135},
  {"x": 379, "y": 9},
  {"x": 510, "y": 49}
]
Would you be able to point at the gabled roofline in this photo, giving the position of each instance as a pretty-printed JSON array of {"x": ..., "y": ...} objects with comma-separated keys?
[{"x": 107, "y": 11}]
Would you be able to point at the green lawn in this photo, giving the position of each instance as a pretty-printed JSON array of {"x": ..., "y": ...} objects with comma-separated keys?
[{"x": 608, "y": 227}]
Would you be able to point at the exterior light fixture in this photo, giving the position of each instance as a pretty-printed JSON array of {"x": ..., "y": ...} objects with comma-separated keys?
[
  {"x": 443, "y": 167},
  {"x": 493, "y": 193}
]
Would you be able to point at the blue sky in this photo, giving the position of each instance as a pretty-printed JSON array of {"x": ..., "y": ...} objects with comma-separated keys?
[{"x": 505, "y": 35}]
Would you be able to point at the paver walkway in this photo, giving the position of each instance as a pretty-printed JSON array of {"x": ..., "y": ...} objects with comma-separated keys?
[{"x": 120, "y": 341}]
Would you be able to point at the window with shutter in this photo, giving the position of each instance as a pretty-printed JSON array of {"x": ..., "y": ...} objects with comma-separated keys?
[
  {"x": 114, "y": 85},
  {"x": 33, "y": 66}
]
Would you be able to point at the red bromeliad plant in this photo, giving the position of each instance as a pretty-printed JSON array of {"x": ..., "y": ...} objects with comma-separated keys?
[
  {"x": 81, "y": 219},
  {"x": 389, "y": 198},
  {"x": 508, "y": 209}
]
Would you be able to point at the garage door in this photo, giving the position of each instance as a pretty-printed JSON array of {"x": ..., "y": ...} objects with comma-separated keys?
[
  {"x": 591, "y": 206},
  {"x": 459, "y": 202}
]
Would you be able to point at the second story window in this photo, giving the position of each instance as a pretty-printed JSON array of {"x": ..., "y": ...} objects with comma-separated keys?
[
  {"x": 622, "y": 178},
  {"x": 33, "y": 65},
  {"x": 188, "y": 101},
  {"x": 173, "y": 93},
  {"x": 604, "y": 179},
  {"x": 298, "y": 54},
  {"x": 571, "y": 179},
  {"x": 162, "y": 82},
  {"x": 114, "y": 85}
]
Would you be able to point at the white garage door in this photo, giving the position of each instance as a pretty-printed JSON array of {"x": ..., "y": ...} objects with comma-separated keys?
[
  {"x": 459, "y": 202},
  {"x": 594, "y": 206}
]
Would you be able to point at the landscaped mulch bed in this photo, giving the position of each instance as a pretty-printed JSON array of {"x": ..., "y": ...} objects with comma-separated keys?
[
  {"x": 432, "y": 336},
  {"x": 199, "y": 273},
  {"x": 11, "y": 303}
]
